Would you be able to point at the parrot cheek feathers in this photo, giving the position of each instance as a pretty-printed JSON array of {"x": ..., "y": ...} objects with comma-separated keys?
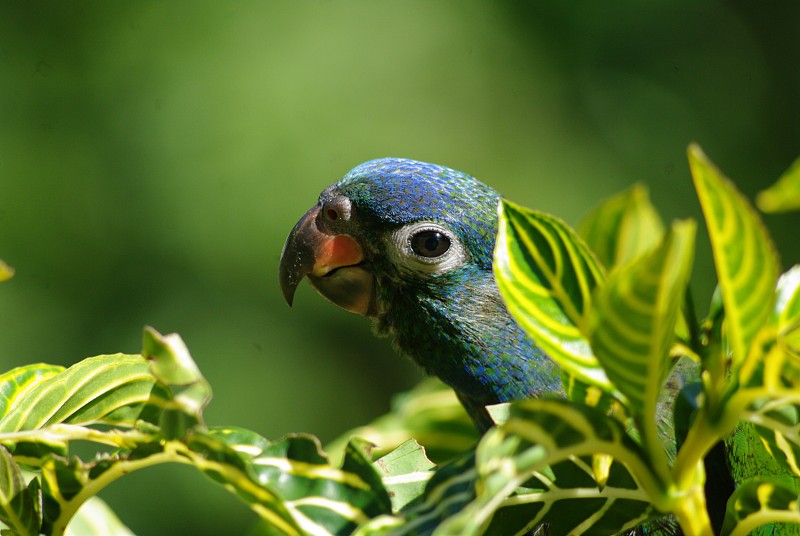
[{"x": 351, "y": 287}]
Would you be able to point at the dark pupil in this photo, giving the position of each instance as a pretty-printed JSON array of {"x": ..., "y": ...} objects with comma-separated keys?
[{"x": 430, "y": 244}]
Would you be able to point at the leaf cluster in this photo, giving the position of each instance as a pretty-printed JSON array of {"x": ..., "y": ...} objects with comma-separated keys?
[{"x": 653, "y": 394}]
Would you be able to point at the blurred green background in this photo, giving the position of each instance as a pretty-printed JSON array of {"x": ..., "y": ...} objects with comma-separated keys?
[{"x": 154, "y": 156}]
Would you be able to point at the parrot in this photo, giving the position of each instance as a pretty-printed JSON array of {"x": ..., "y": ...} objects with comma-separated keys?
[{"x": 410, "y": 245}]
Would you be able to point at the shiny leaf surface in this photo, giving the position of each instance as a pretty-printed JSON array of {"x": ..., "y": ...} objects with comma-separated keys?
[
  {"x": 745, "y": 258},
  {"x": 546, "y": 275},
  {"x": 622, "y": 227}
]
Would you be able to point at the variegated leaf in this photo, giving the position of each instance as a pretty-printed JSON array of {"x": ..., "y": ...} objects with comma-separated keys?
[
  {"x": 763, "y": 506},
  {"x": 622, "y": 227},
  {"x": 633, "y": 322},
  {"x": 539, "y": 467},
  {"x": 430, "y": 413},
  {"x": 106, "y": 389},
  {"x": 769, "y": 394},
  {"x": 16, "y": 383},
  {"x": 320, "y": 498},
  {"x": 173, "y": 367},
  {"x": 546, "y": 275},
  {"x": 449, "y": 491},
  {"x": 784, "y": 195},
  {"x": 405, "y": 472},
  {"x": 95, "y": 518},
  {"x": 787, "y": 311},
  {"x": 745, "y": 258},
  {"x": 20, "y": 505}
]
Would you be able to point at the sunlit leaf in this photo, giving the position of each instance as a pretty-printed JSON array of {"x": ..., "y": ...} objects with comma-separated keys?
[
  {"x": 546, "y": 275},
  {"x": 405, "y": 471},
  {"x": 769, "y": 399},
  {"x": 95, "y": 518},
  {"x": 787, "y": 311},
  {"x": 19, "y": 505},
  {"x": 111, "y": 389},
  {"x": 745, "y": 258},
  {"x": 549, "y": 446},
  {"x": 449, "y": 491},
  {"x": 6, "y": 271},
  {"x": 762, "y": 501},
  {"x": 172, "y": 364},
  {"x": 622, "y": 227},
  {"x": 430, "y": 413},
  {"x": 15, "y": 383},
  {"x": 784, "y": 195},
  {"x": 633, "y": 323},
  {"x": 318, "y": 497}
]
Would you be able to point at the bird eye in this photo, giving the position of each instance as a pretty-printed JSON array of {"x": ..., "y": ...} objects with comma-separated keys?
[
  {"x": 331, "y": 214},
  {"x": 430, "y": 244}
]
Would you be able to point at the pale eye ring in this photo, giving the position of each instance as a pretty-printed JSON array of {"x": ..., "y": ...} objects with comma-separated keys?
[
  {"x": 429, "y": 243},
  {"x": 427, "y": 247}
]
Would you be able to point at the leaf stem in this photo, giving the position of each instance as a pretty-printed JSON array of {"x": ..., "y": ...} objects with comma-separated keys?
[
  {"x": 692, "y": 514},
  {"x": 93, "y": 487},
  {"x": 700, "y": 439},
  {"x": 690, "y": 315},
  {"x": 63, "y": 433}
]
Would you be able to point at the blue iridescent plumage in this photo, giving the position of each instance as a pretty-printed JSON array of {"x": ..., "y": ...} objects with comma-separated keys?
[
  {"x": 410, "y": 245},
  {"x": 451, "y": 322}
]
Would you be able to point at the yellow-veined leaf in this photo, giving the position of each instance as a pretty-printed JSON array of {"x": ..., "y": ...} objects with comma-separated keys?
[
  {"x": 551, "y": 446},
  {"x": 633, "y": 325},
  {"x": 546, "y": 275},
  {"x": 784, "y": 195},
  {"x": 622, "y": 227},
  {"x": 745, "y": 258},
  {"x": 759, "y": 502}
]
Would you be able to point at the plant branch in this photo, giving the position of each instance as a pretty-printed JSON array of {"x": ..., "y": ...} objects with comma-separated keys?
[{"x": 123, "y": 467}]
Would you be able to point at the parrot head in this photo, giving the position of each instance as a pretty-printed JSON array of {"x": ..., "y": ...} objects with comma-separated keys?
[{"x": 409, "y": 245}]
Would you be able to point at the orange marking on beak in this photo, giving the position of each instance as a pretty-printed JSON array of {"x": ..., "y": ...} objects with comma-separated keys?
[{"x": 336, "y": 252}]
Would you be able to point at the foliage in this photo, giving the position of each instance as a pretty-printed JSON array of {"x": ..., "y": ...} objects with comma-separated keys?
[{"x": 612, "y": 307}]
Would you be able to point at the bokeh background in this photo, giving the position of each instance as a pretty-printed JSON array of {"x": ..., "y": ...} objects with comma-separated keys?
[{"x": 154, "y": 155}]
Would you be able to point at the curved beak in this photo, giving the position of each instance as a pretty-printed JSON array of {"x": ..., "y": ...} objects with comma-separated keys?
[{"x": 334, "y": 265}]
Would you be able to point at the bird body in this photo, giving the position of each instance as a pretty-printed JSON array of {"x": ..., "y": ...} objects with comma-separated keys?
[{"x": 410, "y": 245}]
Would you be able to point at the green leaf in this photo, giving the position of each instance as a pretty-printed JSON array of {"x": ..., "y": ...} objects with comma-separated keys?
[
  {"x": 95, "y": 518},
  {"x": 449, "y": 491},
  {"x": 6, "y": 271},
  {"x": 633, "y": 325},
  {"x": 109, "y": 389},
  {"x": 550, "y": 446},
  {"x": 762, "y": 501},
  {"x": 769, "y": 398},
  {"x": 546, "y": 275},
  {"x": 172, "y": 364},
  {"x": 430, "y": 413},
  {"x": 784, "y": 195},
  {"x": 299, "y": 480},
  {"x": 622, "y": 227},
  {"x": 19, "y": 504},
  {"x": 227, "y": 455},
  {"x": 787, "y": 311},
  {"x": 748, "y": 457},
  {"x": 15, "y": 383},
  {"x": 745, "y": 258},
  {"x": 405, "y": 471}
]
